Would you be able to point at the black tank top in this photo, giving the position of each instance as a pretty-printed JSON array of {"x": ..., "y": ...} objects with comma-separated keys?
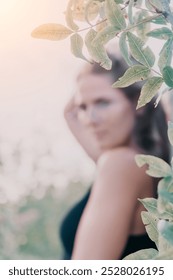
[{"x": 70, "y": 223}]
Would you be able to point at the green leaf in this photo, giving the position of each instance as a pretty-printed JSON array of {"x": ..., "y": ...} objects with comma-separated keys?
[
  {"x": 158, "y": 168},
  {"x": 168, "y": 75},
  {"x": 77, "y": 45},
  {"x": 97, "y": 52},
  {"x": 105, "y": 35},
  {"x": 154, "y": 5},
  {"x": 150, "y": 223},
  {"x": 150, "y": 205},
  {"x": 114, "y": 14},
  {"x": 170, "y": 132},
  {"x": 142, "y": 28},
  {"x": 166, "y": 230},
  {"x": 166, "y": 54},
  {"x": 159, "y": 20},
  {"x": 161, "y": 33},
  {"x": 143, "y": 55},
  {"x": 130, "y": 11},
  {"x": 132, "y": 75},
  {"x": 166, "y": 11},
  {"x": 69, "y": 16},
  {"x": 149, "y": 90},
  {"x": 124, "y": 48},
  {"x": 145, "y": 254},
  {"x": 51, "y": 31},
  {"x": 166, "y": 255},
  {"x": 165, "y": 207}
]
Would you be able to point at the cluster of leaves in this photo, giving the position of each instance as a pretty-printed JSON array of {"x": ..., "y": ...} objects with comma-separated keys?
[
  {"x": 159, "y": 216},
  {"x": 132, "y": 22}
]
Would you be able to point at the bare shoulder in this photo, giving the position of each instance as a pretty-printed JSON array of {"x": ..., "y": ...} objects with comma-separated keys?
[{"x": 119, "y": 164}]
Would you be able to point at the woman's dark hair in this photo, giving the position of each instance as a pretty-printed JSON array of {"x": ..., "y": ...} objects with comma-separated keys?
[{"x": 151, "y": 126}]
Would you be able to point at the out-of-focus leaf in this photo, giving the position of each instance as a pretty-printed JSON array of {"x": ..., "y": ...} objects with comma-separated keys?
[
  {"x": 161, "y": 33},
  {"x": 124, "y": 48},
  {"x": 97, "y": 52},
  {"x": 51, "y": 31},
  {"x": 101, "y": 24},
  {"x": 165, "y": 56},
  {"x": 157, "y": 167},
  {"x": 142, "y": 28},
  {"x": 77, "y": 46},
  {"x": 165, "y": 207},
  {"x": 149, "y": 90},
  {"x": 133, "y": 74},
  {"x": 168, "y": 75},
  {"x": 170, "y": 132},
  {"x": 153, "y": 5},
  {"x": 150, "y": 223},
  {"x": 114, "y": 14},
  {"x": 83, "y": 10},
  {"x": 145, "y": 254},
  {"x": 144, "y": 55},
  {"x": 91, "y": 10},
  {"x": 166, "y": 11},
  {"x": 130, "y": 11},
  {"x": 69, "y": 16}
]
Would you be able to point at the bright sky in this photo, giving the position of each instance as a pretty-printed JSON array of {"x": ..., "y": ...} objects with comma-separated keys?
[{"x": 36, "y": 80}]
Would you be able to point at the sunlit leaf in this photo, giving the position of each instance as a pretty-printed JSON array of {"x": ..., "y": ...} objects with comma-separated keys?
[
  {"x": 114, "y": 14},
  {"x": 165, "y": 56},
  {"x": 83, "y": 10},
  {"x": 97, "y": 52},
  {"x": 91, "y": 10},
  {"x": 145, "y": 254},
  {"x": 165, "y": 207},
  {"x": 144, "y": 55},
  {"x": 161, "y": 33},
  {"x": 124, "y": 48},
  {"x": 101, "y": 24},
  {"x": 77, "y": 45},
  {"x": 133, "y": 74},
  {"x": 157, "y": 167},
  {"x": 69, "y": 16},
  {"x": 51, "y": 31},
  {"x": 168, "y": 75},
  {"x": 150, "y": 223},
  {"x": 149, "y": 90}
]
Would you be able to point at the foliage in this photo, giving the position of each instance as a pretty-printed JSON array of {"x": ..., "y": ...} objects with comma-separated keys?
[
  {"x": 131, "y": 23},
  {"x": 28, "y": 232}
]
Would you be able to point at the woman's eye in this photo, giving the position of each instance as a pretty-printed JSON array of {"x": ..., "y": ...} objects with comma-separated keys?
[{"x": 103, "y": 103}]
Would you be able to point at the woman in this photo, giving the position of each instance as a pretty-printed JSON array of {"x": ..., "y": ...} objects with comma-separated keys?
[{"x": 106, "y": 223}]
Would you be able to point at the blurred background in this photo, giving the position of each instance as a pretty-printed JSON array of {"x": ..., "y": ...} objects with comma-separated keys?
[{"x": 42, "y": 168}]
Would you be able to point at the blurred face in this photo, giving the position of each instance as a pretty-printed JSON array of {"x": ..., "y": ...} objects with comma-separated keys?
[{"x": 104, "y": 111}]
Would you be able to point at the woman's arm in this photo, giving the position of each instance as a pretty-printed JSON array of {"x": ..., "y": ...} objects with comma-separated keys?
[
  {"x": 81, "y": 134},
  {"x": 107, "y": 219}
]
